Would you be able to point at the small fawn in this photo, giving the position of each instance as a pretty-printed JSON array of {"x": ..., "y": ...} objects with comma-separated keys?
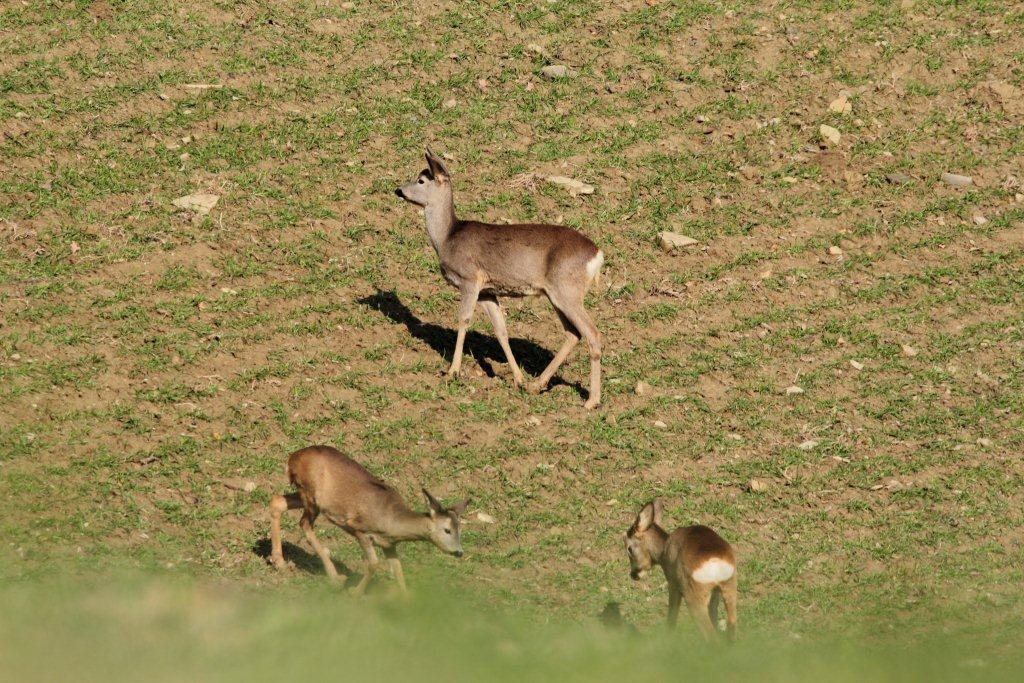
[
  {"x": 486, "y": 261},
  {"x": 699, "y": 566},
  {"x": 336, "y": 486}
]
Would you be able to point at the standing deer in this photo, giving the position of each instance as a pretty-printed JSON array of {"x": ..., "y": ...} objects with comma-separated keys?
[
  {"x": 699, "y": 566},
  {"x": 336, "y": 486},
  {"x": 486, "y": 261}
]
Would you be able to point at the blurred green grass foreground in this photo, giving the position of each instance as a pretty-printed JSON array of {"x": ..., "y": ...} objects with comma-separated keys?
[{"x": 166, "y": 628}]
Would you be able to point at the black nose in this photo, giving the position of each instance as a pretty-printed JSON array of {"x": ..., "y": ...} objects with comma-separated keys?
[
  {"x": 398, "y": 191},
  {"x": 635, "y": 575},
  {"x": 457, "y": 553}
]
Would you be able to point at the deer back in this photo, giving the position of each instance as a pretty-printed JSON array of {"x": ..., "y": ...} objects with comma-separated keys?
[
  {"x": 699, "y": 552},
  {"x": 340, "y": 488},
  {"x": 516, "y": 259}
]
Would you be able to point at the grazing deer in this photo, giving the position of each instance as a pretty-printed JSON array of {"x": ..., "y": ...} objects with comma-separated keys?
[
  {"x": 699, "y": 566},
  {"x": 487, "y": 261},
  {"x": 331, "y": 484}
]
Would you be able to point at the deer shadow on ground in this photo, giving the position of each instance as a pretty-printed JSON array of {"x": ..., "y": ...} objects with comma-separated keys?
[
  {"x": 305, "y": 561},
  {"x": 532, "y": 358},
  {"x": 611, "y": 617}
]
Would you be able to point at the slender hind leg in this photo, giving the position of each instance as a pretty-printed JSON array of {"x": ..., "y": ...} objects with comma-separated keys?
[
  {"x": 581, "y": 319},
  {"x": 308, "y": 518},
  {"x": 716, "y": 598},
  {"x": 493, "y": 308},
  {"x": 698, "y": 599},
  {"x": 371, "y": 562},
  {"x": 278, "y": 505},
  {"x": 571, "y": 306},
  {"x": 572, "y": 337},
  {"x": 729, "y": 594}
]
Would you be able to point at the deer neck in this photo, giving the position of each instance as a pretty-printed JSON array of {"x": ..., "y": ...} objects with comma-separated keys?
[
  {"x": 656, "y": 540},
  {"x": 409, "y": 526},
  {"x": 440, "y": 221}
]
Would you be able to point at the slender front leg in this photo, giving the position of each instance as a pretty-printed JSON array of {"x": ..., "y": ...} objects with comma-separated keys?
[
  {"x": 396, "y": 568},
  {"x": 674, "y": 598},
  {"x": 371, "y": 562},
  {"x": 493, "y": 308},
  {"x": 325, "y": 556},
  {"x": 470, "y": 293},
  {"x": 279, "y": 505}
]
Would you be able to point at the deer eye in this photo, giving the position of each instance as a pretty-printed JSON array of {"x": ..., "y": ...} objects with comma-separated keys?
[
  {"x": 448, "y": 531},
  {"x": 421, "y": 181}
]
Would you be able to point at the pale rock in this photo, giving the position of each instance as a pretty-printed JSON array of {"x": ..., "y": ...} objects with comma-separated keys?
[
  {"x": 794, "y": 390},
  {"x": 957, "y": 180},
  {"x": 575, "y": 187},
  {"x": 482, "y": 516},
  {"x": 835, "y": 251},
  {"x": 829, "y": 134},
  {"x": 898, "y": 178},
  {"x": 246, "y": 486},
  {"x": 856, "y": 365},
  {"x": 808, "y": 445},
  {"x": 660, "y": 425},
  {"x": 555, "y": 71},
  {"x": 200, "y": 203},
  {"x": 670, "y": 241},
  {"x": 840, "y": 105},
  {"x": 909, "y": 351}
]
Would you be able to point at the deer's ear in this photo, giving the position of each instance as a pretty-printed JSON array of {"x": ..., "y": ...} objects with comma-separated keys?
[
  {"x": 656, "y": 504},
  {"x": 646, "y": 518},
  {"x": 437, "y": 167},
  {"x": 460, "y": 507},
  {"x": 433, "y": 506}
]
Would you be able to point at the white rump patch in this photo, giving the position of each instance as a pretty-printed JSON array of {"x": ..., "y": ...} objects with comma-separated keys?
[
  {"x": 714, "y": 570},
  {"x": 594, "y": 265}
]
